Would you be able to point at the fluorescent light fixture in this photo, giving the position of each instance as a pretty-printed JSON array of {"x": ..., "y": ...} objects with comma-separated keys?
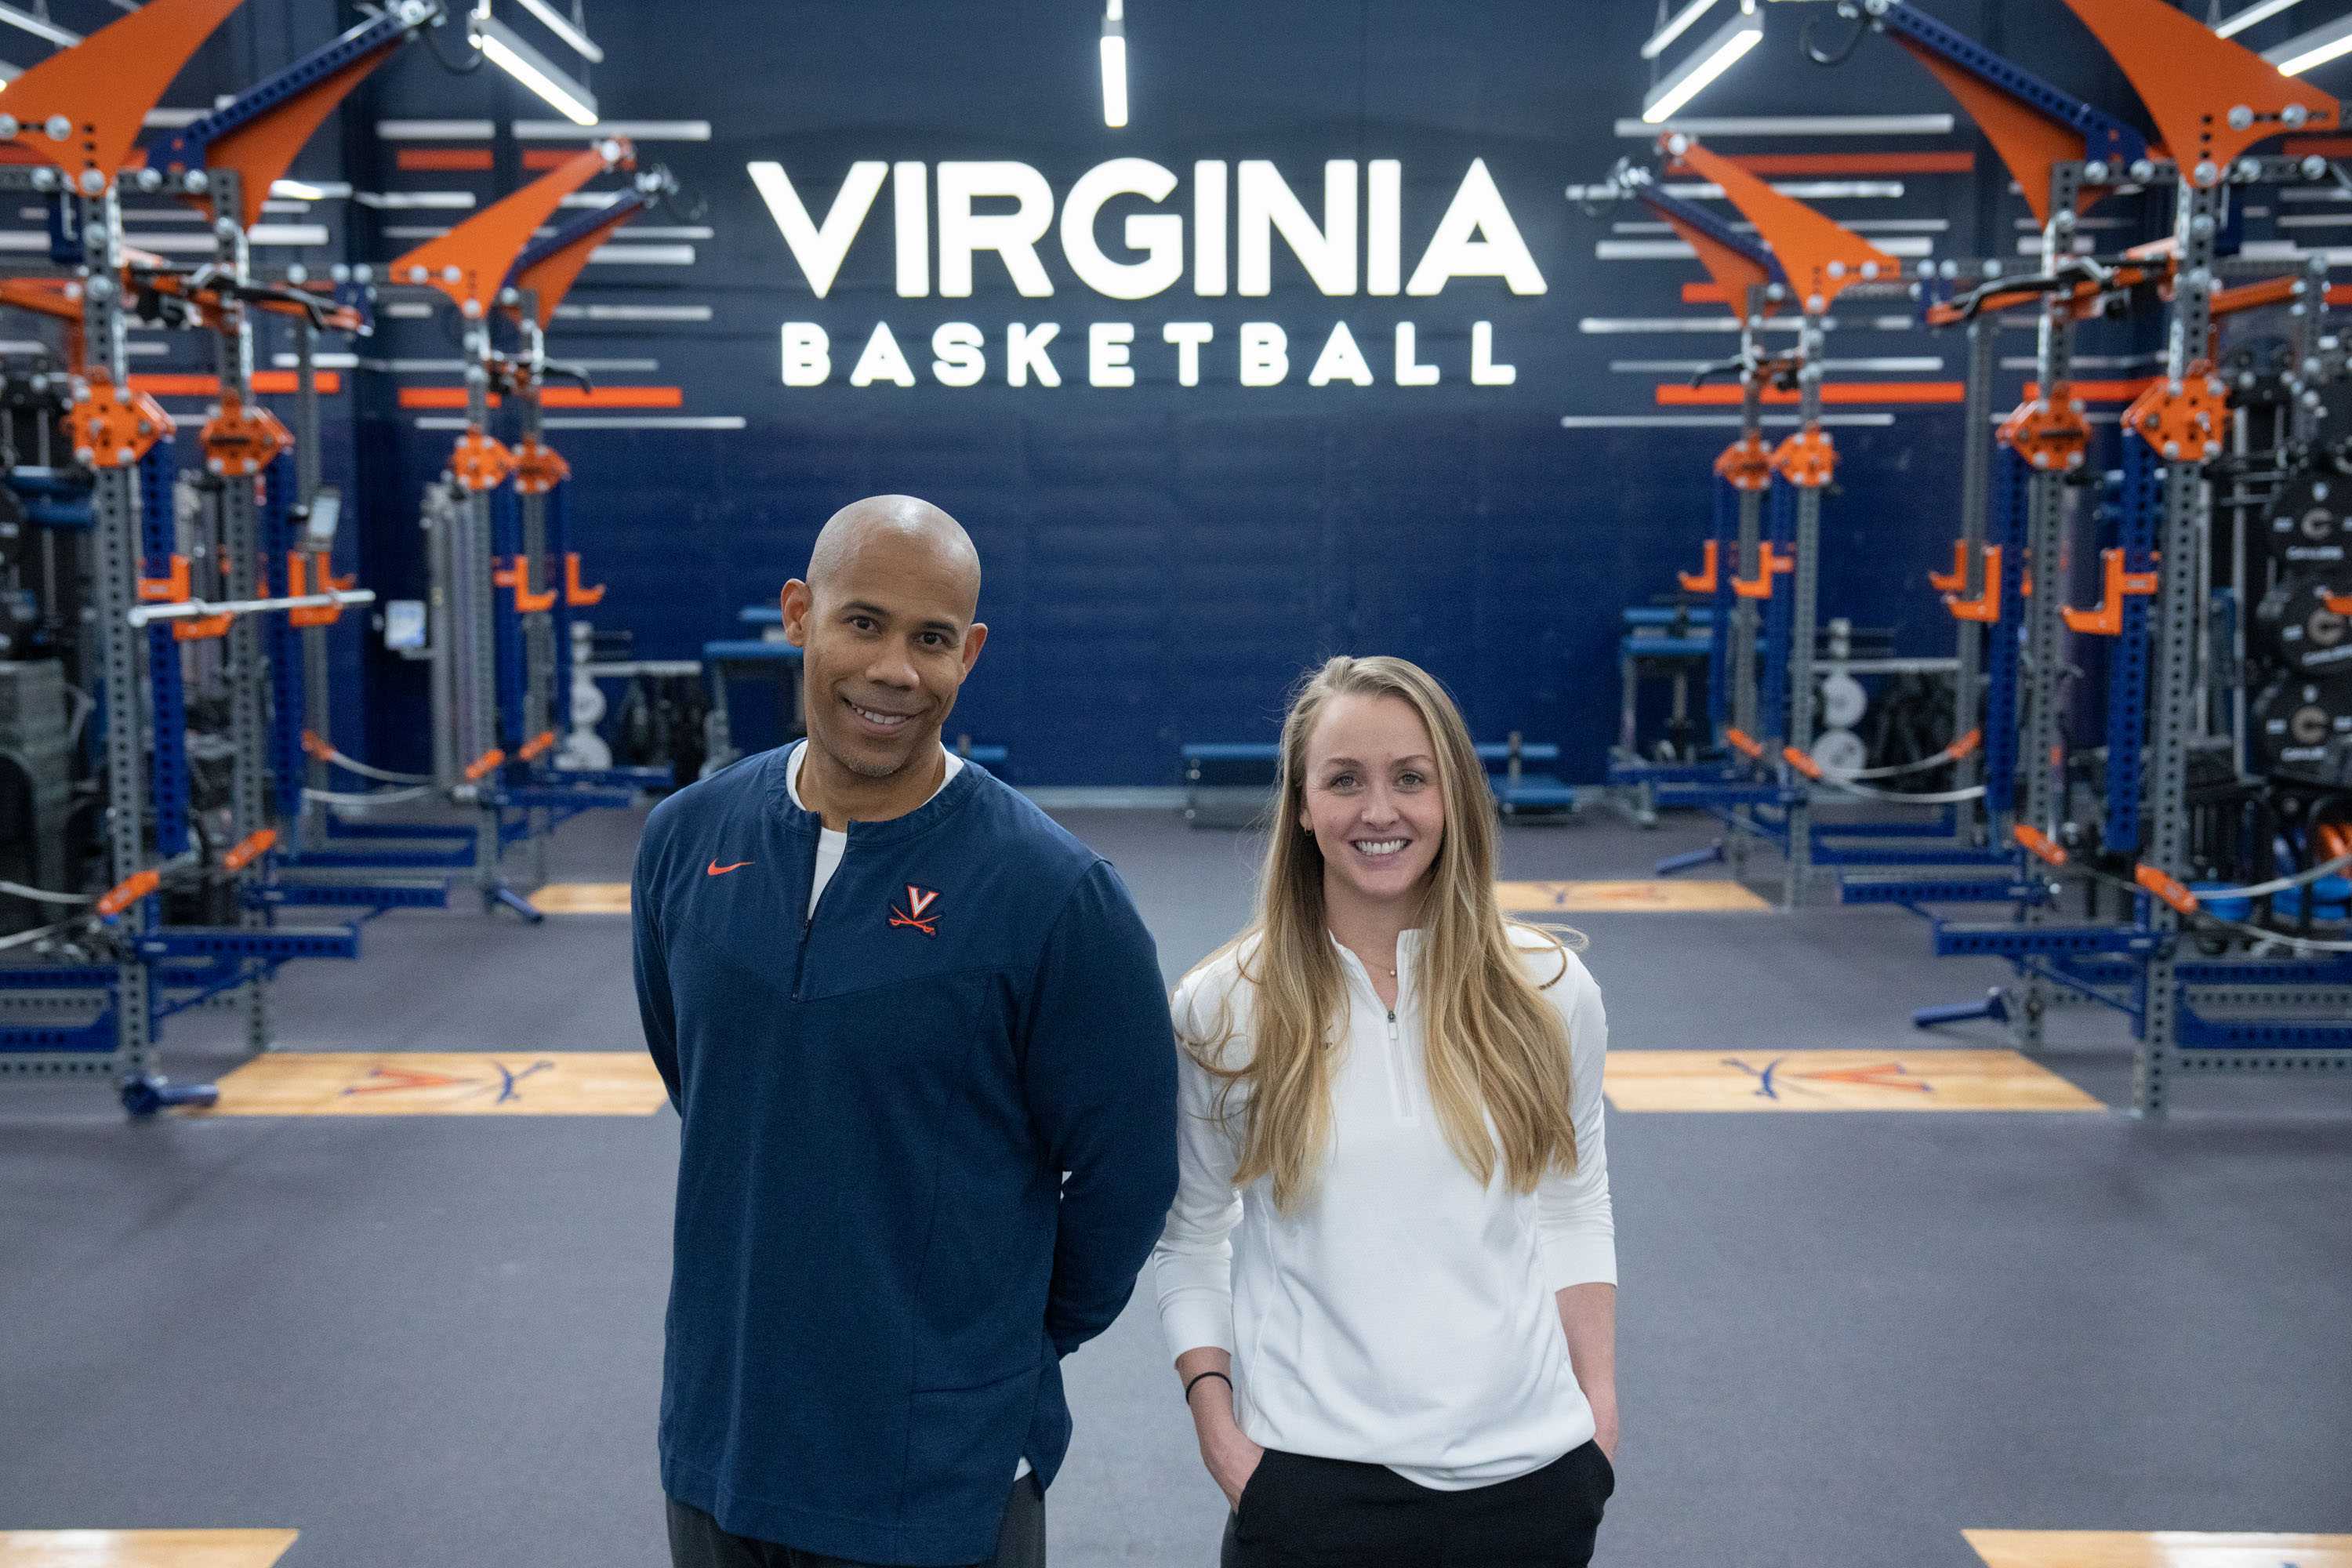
[
  {"x": 2260, "y": 11},
  {"x": 1704, "y": 64},
  {"x": 1681, "y": 25},
  {"x": 2316, "y": 47},
  {"x": 1114, "y": 64},
  {"x": 508, "y": 51},
  {"x": 585, "y": 46},
  {"x": 38, "y": 25}
]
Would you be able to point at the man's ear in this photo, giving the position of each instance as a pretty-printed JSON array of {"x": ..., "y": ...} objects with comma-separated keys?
[
  {"x": 974, "y": 640},
  {"x": 797, "y": 600}
]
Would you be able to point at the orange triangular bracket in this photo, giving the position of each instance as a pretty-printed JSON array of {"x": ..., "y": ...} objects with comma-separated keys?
[
  {"x": 470, "y": 262},
  {"x": 2211, "y": 97},
  {"x": 1818, "y": 256},
  {"x": 99, "y": 91}
]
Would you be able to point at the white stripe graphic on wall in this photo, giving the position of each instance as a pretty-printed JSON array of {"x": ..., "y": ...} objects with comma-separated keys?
[
  {"x": 326, "y": 362},
  {"x": 292, "y": 235},
  {"x": 645, "y": 254},
  {"x": 413, "y": 201},
  {"x": 634, "y": 130},
  {"x": 2316, "y": 220},
  {"x": 1860, "y": 226},
  {"x": 409, "y": 310},
  {"x": 1673, "y": 249},
  {"x": 1889, "y": 363},
  {"x": 436, "y": 130},
  {"x": 612, "y": 422},
  {"x": 457, "y": 366},
  {"x": 590, "y": 199},
  {"x": 632, "y": 312},
  {"x": 173, "y": 119},
  {"x": 2090, "y": 362},
  {"x": 1663, "y": 421},
  {"x": 1793, "y": 125},
  {"x": 1723, "y": 323},
  {"x": 1803, "y": 190}
]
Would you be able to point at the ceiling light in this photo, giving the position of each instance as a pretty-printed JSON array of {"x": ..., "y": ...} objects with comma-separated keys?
[
  {"x": 584, "y": 46},
  {"x": 40, "y": 27},
  {"x": 2316, "y": 47},
  {"x": 508, "y": 51},
  {"x": 1680, "y": 24},
  {"x": 1704, "y": 64},
  {"x": 2260, "y": 11},
  {"x": 1114, "y": 64}
]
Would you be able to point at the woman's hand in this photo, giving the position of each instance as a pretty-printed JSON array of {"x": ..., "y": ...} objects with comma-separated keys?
[{"x": 1232, "y": 1459}]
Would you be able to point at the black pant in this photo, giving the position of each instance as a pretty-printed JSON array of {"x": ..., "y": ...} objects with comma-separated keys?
[
  {"x": 1298, "y": 1511},
  {"x": 697, "y": 1541}
]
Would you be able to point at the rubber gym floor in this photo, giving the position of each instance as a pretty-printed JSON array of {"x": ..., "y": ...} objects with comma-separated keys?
[{"x": 1846, "y": 1338}]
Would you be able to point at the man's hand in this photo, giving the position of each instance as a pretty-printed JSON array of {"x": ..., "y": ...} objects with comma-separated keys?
[{"x": 1605, "y": 1430}]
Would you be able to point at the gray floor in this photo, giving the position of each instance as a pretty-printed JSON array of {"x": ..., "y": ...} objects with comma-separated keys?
[{"x": 1844, "y": 1339}]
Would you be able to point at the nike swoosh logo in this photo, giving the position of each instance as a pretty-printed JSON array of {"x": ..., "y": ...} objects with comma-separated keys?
[{"x": 719, "y": 870}]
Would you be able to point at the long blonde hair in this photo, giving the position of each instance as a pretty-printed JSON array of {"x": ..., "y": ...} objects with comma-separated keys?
[{"x": 1494, "y": 1046}]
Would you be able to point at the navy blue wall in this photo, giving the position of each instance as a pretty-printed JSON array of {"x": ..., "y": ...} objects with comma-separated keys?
[{"x": 1162, "y": 560}]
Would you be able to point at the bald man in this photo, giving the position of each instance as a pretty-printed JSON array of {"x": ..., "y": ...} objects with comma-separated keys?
[{"x": 917, "y": 1039}]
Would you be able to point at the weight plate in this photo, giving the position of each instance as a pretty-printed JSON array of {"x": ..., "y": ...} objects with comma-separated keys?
[
  {"x": 1842, "y": 701},
  {"x": 1840, "y": 751},
  {"x": 2308, "y": 525},
  {"x": 2299, "y": 629},
  {"x": 2303, "y": 729}
]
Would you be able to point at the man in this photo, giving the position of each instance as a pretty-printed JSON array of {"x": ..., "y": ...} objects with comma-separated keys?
[{"x": 918, "y": 1042}]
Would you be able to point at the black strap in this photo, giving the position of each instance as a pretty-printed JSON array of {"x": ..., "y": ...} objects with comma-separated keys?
[{"x": 1197, "y": 1376}]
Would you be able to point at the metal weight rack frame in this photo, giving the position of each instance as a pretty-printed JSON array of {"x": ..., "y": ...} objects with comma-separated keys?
[
  {"x": 2213, "y": 101},
  {"x": 500, "y": 687},
  {"x": 80, "y": 112}
]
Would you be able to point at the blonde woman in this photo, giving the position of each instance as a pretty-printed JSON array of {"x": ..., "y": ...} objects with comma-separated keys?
[{"x": 1388, "y": 1278}]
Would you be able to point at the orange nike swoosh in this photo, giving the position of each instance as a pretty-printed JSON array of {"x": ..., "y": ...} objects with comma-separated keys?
[{"x": 719, "y": 870}]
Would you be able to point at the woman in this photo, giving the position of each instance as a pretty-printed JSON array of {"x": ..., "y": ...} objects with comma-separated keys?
[{"x": 1389, "y": 1277}]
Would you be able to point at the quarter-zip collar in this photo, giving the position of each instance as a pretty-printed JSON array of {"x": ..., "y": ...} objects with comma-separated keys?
[
  {"x": 953, "y": 797},
  {"x": 1409, "y": 945}
]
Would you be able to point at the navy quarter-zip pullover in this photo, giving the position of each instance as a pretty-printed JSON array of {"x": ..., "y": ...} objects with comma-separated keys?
[{"x": 878, "y": 1258}]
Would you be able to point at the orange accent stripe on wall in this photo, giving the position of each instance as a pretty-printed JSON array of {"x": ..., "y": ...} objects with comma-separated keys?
[
  {"x": 171, "y": 384},
  {"x": 555, "y": 398},
  {"x": 2102, "y": 391},
  {"x": 1782, "y": 163},
  {"x": 1677, "y": 396},
  {"x": 2325, "y": 146},
  {"x": 437, "y": 159},
  {"x": 546, "y": 157},
  {"x": 2339, "y": 293}
]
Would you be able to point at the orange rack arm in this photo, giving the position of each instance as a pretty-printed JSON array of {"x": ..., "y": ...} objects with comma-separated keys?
[
  {"x": 249, "y": 848},
  {"x": 2211, "y": 97},
  {"x": 578, "y": 596},
  {"x": 1966, "y": 746},
  {"x": 1770, "y": 563},
  {"x": 1802, "y": 763},
  {"x": 2167, "y": 888},
  {"x": 1955, "y": 580},
  {"x": 485, "y": 765},
  {"x": 129, "y": 891},
  {"x": 1747, "y": 745},
  {"x": 103, "y": 87},
  {"x": 2040, "y": 844},
  {"x": 1734, "y": 274},
  {"x": 1820, "y": 255},
  {"x": 470, "y": 262},
  {"x": 536, "y": 747},
  {"x": 2107, "y": 619},
  {"x": 1703, "y": 583}
]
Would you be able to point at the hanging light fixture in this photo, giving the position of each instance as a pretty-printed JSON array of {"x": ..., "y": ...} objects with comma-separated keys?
[
  {"x": 508, "y": 51},
  {"x": 2316, "y": 47},
  {"x": 2260, "y": 11},
  {"x": 1704, "y": 64},
  {"x": 1114, "y": 64}
]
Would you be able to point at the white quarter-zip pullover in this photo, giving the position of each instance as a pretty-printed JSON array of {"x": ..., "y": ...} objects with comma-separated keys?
[{"x": 1404, "y": 1315}]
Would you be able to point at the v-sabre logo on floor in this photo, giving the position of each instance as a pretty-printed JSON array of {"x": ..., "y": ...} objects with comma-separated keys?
[{"x": 1357, "y": 247}]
